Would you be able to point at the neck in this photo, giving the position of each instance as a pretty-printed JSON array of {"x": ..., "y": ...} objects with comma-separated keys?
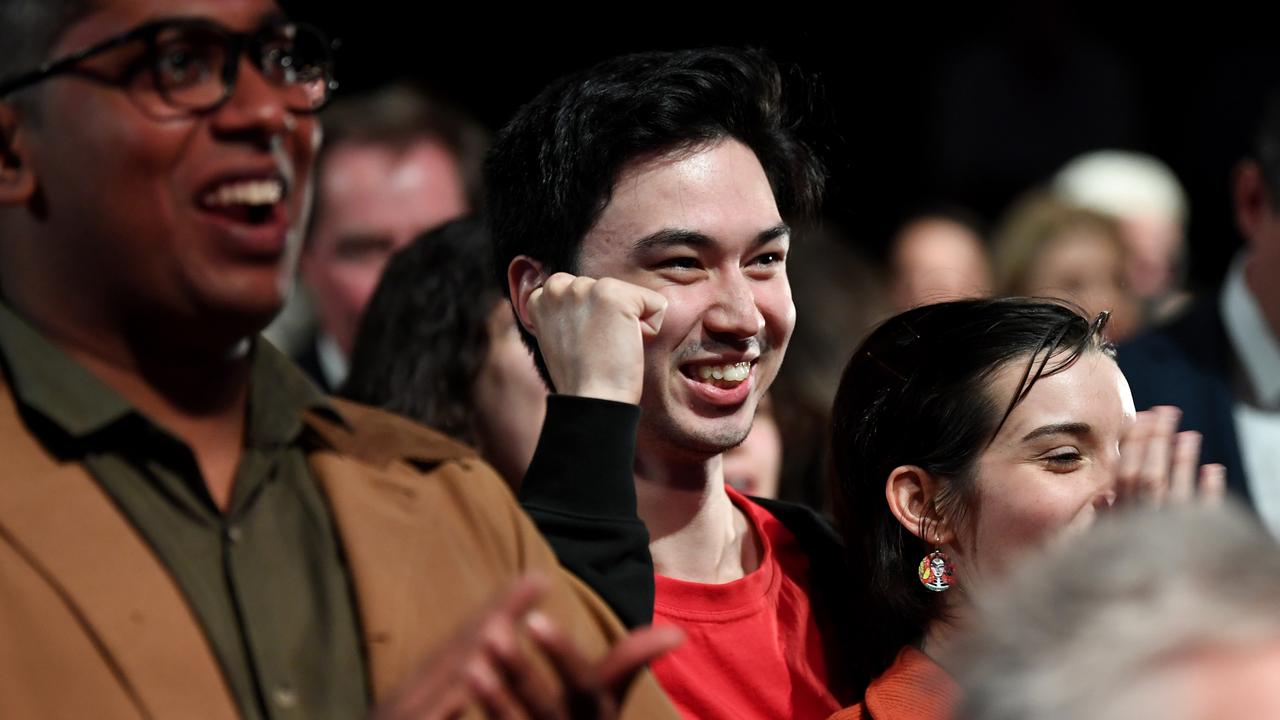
[
  {"x": 941, "y": 635},
  {"x": 1265, "y": 291},
  {"x": 695, "y": 532},
  {"x": 197, "y": 396}
]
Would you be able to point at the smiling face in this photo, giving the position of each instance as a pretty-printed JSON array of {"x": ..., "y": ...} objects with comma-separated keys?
[
  {"x": 189, "y": 222},
  {"x": 1051, "y": 466},
  {"x": 374, "y": 200},
  {"x": 1087, "y": 267},
  {"x": 702, "y": 228}
]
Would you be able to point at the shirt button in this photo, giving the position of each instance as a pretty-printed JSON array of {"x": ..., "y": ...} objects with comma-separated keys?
[
  {"x": 284, "y": 697},
  {"x": 234, "y": 533}
]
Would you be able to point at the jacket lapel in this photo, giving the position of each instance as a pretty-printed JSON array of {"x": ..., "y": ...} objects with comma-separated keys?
[
  {"x": 373, "y": 527},
  {"x": 56, "y": 514},
  {"x": 377, "y": 509}
]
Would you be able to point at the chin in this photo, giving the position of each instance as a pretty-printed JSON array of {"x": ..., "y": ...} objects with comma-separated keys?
[
  {"x": 232, "y": 317},
  {"x": 701, "y": 438}
]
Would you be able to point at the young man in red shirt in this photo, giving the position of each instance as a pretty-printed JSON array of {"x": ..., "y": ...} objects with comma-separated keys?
[{"x": 640, "y": 212}]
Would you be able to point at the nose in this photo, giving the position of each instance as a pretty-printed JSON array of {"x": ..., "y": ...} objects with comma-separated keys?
[{"x": 735, "y": 312}]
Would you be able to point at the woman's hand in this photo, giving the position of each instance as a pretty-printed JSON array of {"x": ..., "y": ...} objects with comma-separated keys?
[{"x": 1158, "y": 464}]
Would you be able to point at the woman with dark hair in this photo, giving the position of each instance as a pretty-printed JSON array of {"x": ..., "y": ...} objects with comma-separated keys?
[
  {"x": 965, "y": 433},
  {"x": 438, "y": 344}
]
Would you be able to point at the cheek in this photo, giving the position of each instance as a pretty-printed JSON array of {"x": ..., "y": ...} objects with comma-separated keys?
[
  {"x": 353, "y": 284},
  {"x": 681, "y": 323},
  {"x": 773, "y": 298},
  {"x": 1021, "y": 515}
]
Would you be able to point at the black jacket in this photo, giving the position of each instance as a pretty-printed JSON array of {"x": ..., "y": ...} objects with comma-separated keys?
[
  {"x": 580, "y": 491},
  {"x": 1189, "y": 363}
]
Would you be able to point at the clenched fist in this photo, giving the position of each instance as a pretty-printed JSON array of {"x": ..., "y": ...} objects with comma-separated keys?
[{"x": 591, "y": 333}]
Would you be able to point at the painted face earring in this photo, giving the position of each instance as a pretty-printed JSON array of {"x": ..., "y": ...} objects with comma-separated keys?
[{"x": 936, "y": 570}]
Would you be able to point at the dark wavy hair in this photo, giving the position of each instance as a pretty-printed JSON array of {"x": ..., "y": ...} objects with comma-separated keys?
[
  {"x": 917, "y": 392},
  {"x": 552, "y": 168},
  {"x": 424, "y": 337}
]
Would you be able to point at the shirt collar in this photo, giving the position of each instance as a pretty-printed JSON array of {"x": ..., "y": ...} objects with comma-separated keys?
[
  {"x": 1251, "y": 337},
  {"x": 279, "y": 396},
  {"x": 45, "y": 379},
  {"x": 333, "y": 363}
]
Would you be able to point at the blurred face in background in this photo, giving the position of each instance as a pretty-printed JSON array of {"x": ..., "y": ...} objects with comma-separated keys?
[
  {"x": 755, "y": 467},
  {"x": 373, "y": 200},
  {"x": 935, "y": 259},
  {"x": 509, "y": 397},
  {"x": 1086, "y": 266}
]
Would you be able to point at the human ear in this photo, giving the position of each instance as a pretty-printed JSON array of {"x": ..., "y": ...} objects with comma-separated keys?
[
  {"x": 17, "y": 180},
  {"x": 912, "y": 494},
  {"x": 1251, "y": 200},
  {"x": 524, "y": 275}
]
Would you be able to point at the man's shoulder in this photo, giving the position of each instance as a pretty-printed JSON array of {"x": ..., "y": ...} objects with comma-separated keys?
[
  {"x": 1194, "y": 338},
  {"x": 379, "y": 437}
]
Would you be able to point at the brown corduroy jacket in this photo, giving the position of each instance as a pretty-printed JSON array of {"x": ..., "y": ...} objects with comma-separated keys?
[{"x": 92, "y": 625}]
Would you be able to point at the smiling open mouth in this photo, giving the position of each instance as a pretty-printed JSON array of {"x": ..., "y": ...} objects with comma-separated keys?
[
  {"x": 252, "y": 202},
  {"x": 724, "y": 376}
]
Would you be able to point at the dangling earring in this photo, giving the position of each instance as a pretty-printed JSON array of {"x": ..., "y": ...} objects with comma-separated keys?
[{"x": 936, "y": 570}]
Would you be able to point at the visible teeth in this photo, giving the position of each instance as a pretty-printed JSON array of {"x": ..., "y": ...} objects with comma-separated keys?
[
  {"x": 247, "y": 192},
  {"x": 733, "y": 374}
]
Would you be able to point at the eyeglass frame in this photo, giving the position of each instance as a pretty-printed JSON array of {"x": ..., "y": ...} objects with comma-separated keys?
[{"x": 239, "y": 44}]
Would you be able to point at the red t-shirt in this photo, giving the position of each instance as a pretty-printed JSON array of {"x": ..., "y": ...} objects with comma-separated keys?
[{"x": 752, "y": 648}]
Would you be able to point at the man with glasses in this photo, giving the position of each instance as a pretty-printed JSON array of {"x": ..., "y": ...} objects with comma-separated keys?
[{"x": 187, "y": 527}]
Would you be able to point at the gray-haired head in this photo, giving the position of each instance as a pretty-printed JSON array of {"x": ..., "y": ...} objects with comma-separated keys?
[{"x": 1097, "y": 627}]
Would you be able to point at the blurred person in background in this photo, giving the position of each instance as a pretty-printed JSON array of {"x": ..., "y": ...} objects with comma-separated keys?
[
  {"x": 395, "y": 163},
  {"x": 964, "y": 435},
  {"x": 1145, "y": 197},
  {"x": 438, "y": 344},
  {"x": 1165, "y": 614},
  {"x": 936, "y": 256},
  {"x": 754, "y": 467},
  {"x": 839, "y": 296},
  {"x": 1047, "y": 248},
  {"x": 1220, "y": 359}
]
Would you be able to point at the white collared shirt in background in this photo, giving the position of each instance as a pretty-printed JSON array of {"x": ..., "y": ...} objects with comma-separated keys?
[{"x": 1257, "y": 416}]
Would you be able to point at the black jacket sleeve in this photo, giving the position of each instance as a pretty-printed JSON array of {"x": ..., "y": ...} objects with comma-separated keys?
[{"x": 580, "y": 491}]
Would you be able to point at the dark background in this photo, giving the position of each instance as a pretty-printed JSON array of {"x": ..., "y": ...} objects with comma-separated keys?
[{"x": 911, "y": 105}]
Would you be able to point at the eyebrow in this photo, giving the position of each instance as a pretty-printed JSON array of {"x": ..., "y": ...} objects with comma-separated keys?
[
  {"x": 1077, "y": 429},
  {"x": 691, "y": 238}
]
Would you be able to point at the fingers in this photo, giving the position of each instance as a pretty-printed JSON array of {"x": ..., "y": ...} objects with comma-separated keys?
[
  {"x": 596, "y": 689},
  {"x": 650, "y": 311},
  {"x": 591, "y": 334},
  {"x": 1159, "y": 464},
  {"x": 1186, "y": 458},
  {"x": 580, "y": 678},
  {"x": 507, "y": 681},
  {"x": 1132, "y": 450},
  {"x": 1213, "y": 483},
  {"x": 1154, "y": 477},
  {"x": 469, "y": 666},
  {"x": 632, "y": 301},
  {"x": 634, "y": 652}
]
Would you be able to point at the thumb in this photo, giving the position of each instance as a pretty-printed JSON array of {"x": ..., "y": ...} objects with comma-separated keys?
[
  {"x": 633, "y": 652},
  {"x": 651, "y": 308}
]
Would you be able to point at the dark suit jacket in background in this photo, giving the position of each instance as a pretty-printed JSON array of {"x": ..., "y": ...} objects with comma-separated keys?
[{"x": 1190, "y": 363}]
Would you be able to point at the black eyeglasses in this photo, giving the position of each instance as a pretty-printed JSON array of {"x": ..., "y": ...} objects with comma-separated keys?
[{"x": 191, "y": 65}]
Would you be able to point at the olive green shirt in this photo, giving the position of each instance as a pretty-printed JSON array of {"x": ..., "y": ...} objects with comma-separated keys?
[{"x": 266, "y": 579}]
